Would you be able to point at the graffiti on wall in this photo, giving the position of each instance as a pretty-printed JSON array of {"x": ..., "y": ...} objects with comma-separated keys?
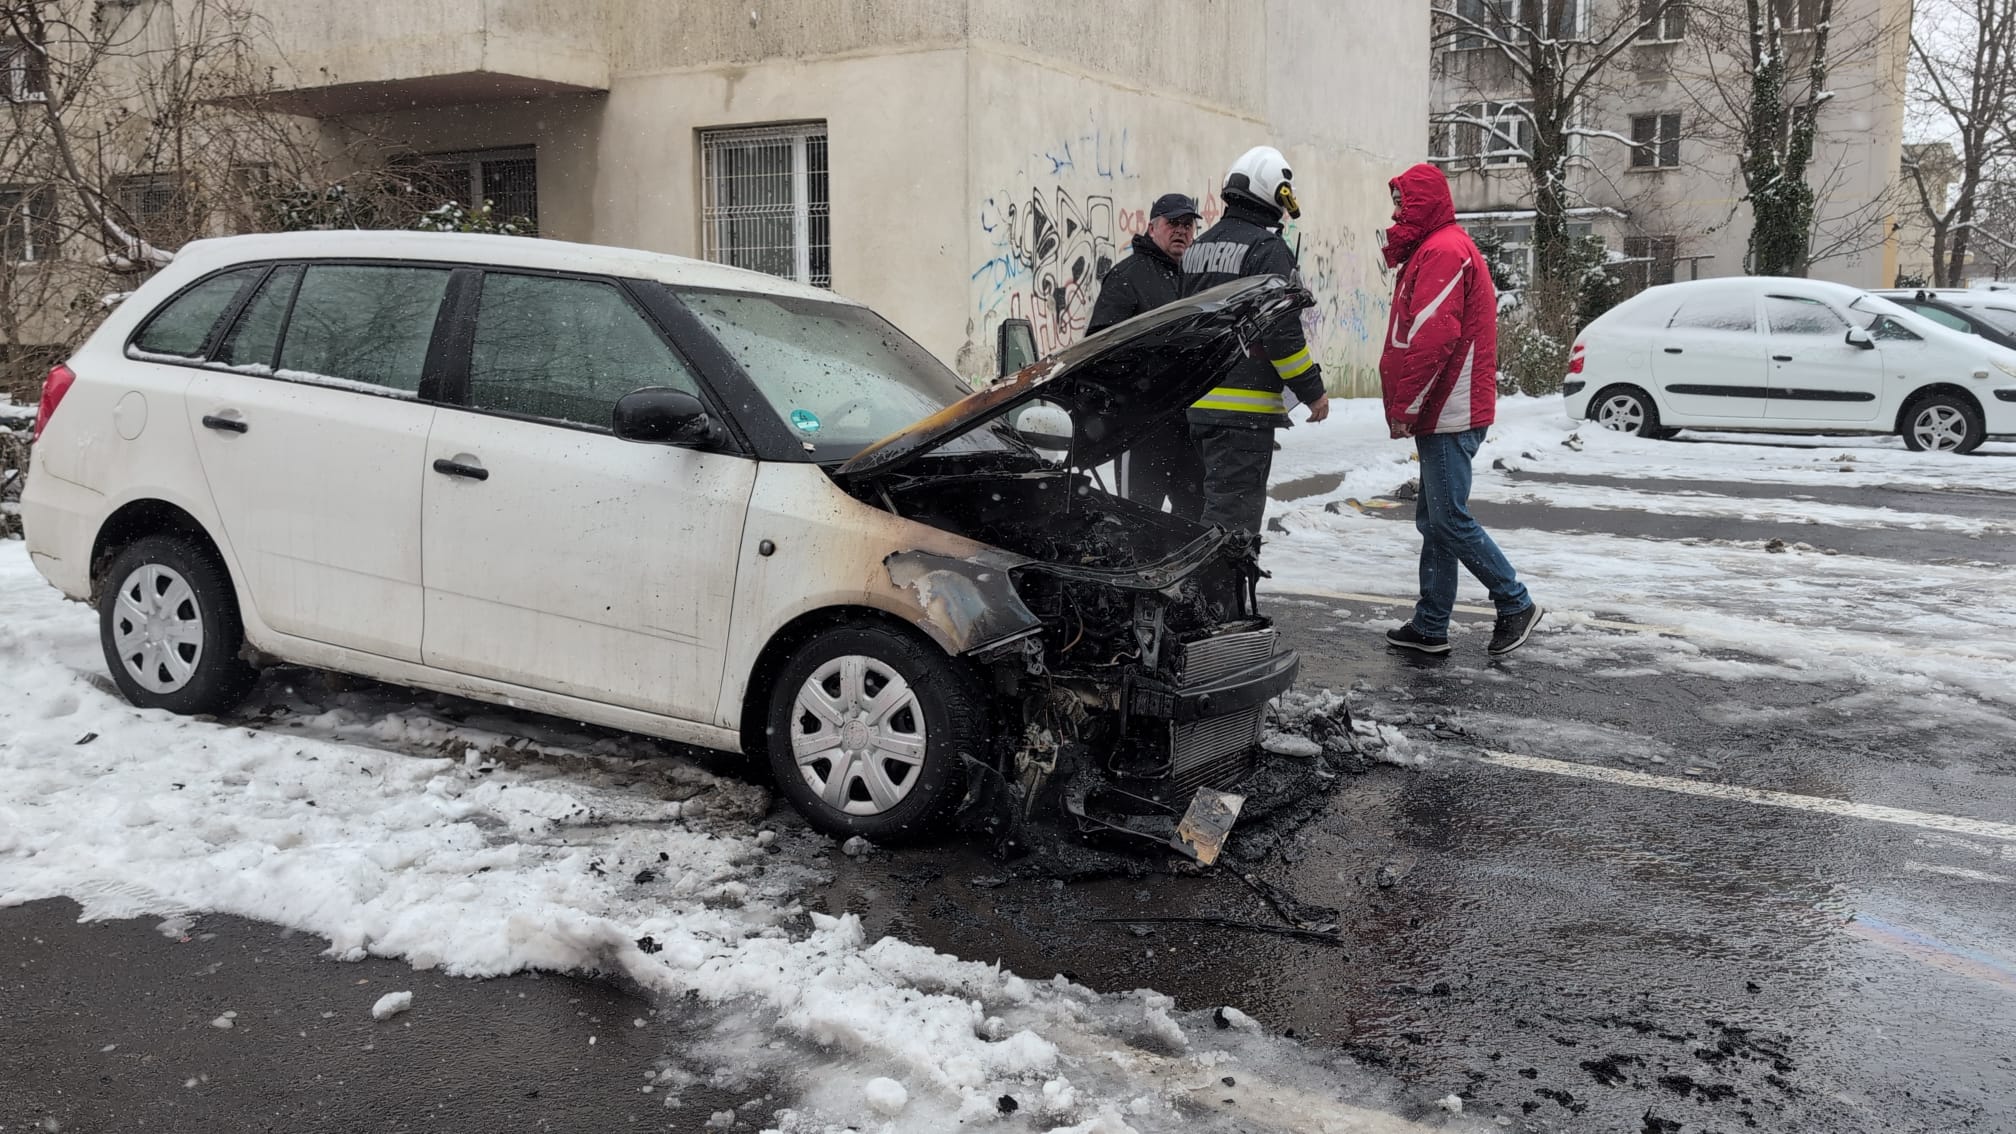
[
  {"x": 1053, "y": 248},
  {"x": 1341, "y": 269}
]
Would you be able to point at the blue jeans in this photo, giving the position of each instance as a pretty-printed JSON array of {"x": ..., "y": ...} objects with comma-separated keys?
[{"x": 1451, "y": 535}]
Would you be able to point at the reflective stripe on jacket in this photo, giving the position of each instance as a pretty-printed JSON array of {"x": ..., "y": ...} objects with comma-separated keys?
[{"x": 1244, "y": 244}]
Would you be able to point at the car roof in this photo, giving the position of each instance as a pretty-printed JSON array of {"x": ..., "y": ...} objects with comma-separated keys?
[
  {"x": 1760, "y": 285},
  {"x": 493, "y": 251}
]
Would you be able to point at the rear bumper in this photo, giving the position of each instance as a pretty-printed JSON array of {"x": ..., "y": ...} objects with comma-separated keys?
[
  {"x": 1247, "y": 689},
  {"x": 60, "y": 520}
]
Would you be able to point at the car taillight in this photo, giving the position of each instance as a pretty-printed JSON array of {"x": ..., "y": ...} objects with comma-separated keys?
[
  {"x": 53, "y": 389},
  {"x": 1575, "y": 358}
]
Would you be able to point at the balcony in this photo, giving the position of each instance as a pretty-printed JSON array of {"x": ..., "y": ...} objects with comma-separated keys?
[{"x": 411, "y": 54}]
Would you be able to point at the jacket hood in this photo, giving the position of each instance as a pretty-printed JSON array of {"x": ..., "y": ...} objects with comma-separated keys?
[
  {"x": 1117, "y": 385},
  {"x": 1425, "y": 205}
]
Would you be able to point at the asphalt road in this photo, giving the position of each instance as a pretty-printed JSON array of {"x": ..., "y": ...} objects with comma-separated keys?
[{"x": 1672, "y": 907}]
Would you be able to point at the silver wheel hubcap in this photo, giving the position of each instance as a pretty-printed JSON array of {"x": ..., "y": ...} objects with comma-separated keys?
[
  {"x": 858, "y": 735},
  {"x": 157, "y": 628},
  {"x": 1622, "y": 413},
  {"x": 1940, "y": 427}
]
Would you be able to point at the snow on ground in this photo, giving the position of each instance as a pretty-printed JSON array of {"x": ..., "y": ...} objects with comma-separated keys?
[
  {"x": 429, "y": 830},
  {"x": 1910, "y": 630}
]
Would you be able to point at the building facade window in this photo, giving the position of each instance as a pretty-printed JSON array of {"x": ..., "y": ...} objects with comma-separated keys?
[
  {"x": 507, "y": 178},
  {"x": 1650, "y": 261},
  {"x": 23, "y": 71},
  {"x": 1796, "y": 15},
  {"x": 765, "y": 203},
  {"x": 1515, "y": 239},
  {"x": 29, "y": 214},
  {"x": 1511, "y": 20},
  {"x": 1483, "y": 133},
  {"x": 149, "y": 200},
  {"x": 1665, "y": 21},
  {"x": 1655, "y": 141}
]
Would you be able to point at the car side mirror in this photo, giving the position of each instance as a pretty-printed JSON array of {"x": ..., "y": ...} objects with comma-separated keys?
[
  {"x": 1014, "y": 346},
  {"x": 1858, "y": 337},
  {"x": 664, "y": 416},
  {"x": 1045, "y": 425}
]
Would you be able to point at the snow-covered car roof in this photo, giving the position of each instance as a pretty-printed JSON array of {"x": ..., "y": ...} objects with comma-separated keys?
[{"x": 500, "y": 251}]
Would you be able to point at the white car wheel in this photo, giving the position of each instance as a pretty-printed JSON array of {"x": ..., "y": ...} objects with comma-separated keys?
[{"x": 858, "y": 736}]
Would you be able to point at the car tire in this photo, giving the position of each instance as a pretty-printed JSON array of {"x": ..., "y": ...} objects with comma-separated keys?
[
  {"x": 889, "y": 773},
  {"x": 169, "y": 625},
  {"x": 1628, "y": 409},
  {"x": 1943, "y": 423}
]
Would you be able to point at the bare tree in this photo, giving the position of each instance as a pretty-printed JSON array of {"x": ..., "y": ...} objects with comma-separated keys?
[
  {"x": 1963, "y": 80},
  {"x": 1761, "y": 88},
  {"x": 1556, "y": 54}
]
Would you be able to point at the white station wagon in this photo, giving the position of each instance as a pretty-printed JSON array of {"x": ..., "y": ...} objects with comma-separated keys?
[
  {"x": 1788, "y": 356},
  {"x": 665, "y": 496}
]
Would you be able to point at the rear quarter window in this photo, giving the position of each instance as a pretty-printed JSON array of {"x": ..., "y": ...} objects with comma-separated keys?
[{"x": 185, "y": 325}]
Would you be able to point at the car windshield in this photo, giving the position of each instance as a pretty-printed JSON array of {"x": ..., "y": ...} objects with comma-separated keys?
[{"x": 839, "y": 376}]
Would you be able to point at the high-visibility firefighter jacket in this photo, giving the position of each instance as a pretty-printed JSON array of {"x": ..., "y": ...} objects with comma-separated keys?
[{"x": 1246, "y": 242}]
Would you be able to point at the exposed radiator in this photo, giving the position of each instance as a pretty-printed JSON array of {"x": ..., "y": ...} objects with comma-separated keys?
[{"x": 1218, "y": 752}]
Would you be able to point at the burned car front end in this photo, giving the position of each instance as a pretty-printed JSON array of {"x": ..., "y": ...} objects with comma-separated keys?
[{"x": 1129, "y": 663}]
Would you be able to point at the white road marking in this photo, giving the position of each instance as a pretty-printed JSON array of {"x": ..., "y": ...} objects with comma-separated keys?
[
  {"x": 1979, "y": 828},
  {"x": 1956, "y": 872}
]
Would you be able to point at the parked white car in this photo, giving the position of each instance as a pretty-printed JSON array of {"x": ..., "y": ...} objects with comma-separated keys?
[
  {"x": 664, "y": 496},
  {"x": 1788, "y": 356}
]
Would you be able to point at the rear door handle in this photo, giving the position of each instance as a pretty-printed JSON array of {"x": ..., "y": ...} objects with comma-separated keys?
[
  {"x": 223, "y": 424},
  {"x": 457, "y": 468},
  {"x": 1673, "y": 350},
  {"x": 1781, "y": 358}
]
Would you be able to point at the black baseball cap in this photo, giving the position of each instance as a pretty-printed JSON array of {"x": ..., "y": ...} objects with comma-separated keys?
[{"x": 1175, "y": 206}]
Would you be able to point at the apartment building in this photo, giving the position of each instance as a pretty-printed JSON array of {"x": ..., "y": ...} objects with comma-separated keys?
[
  {"x": 1654, "y": 167},
  {"x": 954, "y": 163}
]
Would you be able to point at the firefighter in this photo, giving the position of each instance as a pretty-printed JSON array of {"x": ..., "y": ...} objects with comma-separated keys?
[
  {"x": 1233, "y": 425},
  {"x": 1164, "y": 466}
]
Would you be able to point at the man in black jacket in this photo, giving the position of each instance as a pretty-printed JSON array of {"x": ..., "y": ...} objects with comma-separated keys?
[
  {"x": 1164, "y": 466},
  {"x": 1233, "y": 425}
]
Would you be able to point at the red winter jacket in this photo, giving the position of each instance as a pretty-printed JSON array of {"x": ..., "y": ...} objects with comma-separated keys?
[{"x": 1439, "y": 370}]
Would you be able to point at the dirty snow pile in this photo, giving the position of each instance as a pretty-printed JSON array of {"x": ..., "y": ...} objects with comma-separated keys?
[
  {"x": 1800, "y": 610},
  {"x": 473, "y": 845}
]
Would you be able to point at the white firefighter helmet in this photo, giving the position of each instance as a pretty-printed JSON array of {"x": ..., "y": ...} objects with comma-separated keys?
[{"x": 1263, "y": 173}]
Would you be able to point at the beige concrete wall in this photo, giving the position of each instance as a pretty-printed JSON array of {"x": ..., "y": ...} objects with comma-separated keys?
[{"x": 563, "y": 41}]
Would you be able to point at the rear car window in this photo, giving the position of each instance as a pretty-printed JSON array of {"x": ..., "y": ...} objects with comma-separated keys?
[
  {"x": 363, "y": 324},
  {"x": 565, "y": 349},
  {"x": 1794, "y": 315},
  {"x": 183, "y": 327},
  {"x": 255, "y": 338},
  {"x": 1717, "y": 313}
]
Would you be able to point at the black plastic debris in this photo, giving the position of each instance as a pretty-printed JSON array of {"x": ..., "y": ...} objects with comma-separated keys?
[
  {"x": 649, "y": 944},
  {"x": 1006, "y": 1104}
]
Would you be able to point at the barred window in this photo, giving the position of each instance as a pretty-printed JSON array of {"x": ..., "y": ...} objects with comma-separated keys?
[
  {"x": 765, "y": 203},
  {"x": 508, "y": 179}
]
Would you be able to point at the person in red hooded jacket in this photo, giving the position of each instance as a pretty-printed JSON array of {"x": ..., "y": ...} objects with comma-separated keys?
[{"x": 1438, "y": 374}]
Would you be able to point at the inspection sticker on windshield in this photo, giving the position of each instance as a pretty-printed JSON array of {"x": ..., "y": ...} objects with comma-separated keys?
[{"x": 804, "y": 421}]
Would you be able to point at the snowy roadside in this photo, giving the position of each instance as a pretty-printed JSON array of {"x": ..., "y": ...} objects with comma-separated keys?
[
  {"x": 394, "y": 831},
  {"x": 1908, "y": 630}
]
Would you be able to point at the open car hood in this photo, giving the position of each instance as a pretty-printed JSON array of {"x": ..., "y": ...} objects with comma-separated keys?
[{"x": 1117, "y": 384}]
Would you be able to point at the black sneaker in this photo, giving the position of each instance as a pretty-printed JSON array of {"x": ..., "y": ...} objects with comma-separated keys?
[
  {"x": 1513, "y": 630},
  {"x": 1408, "y": 638}
]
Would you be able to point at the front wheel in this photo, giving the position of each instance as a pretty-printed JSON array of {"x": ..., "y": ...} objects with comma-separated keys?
[
  {"x": 1627, "y": 409},
  {"x": 168, "y": 622},
  {"x": 1943, "y": 423},
  {"x": 868, "y": 728}
]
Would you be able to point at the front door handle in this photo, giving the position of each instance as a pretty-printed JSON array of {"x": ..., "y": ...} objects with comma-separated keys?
[
  {"x": 1672, "y": 350},
  {"x": 457, "y": 468},
  {"x": 1781, "y": 358},
  {"x": 223, "y": 424}
]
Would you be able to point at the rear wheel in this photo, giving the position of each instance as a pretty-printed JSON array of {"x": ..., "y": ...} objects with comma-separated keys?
[
  {"x": 1628, "y": 409},
  {"x": 867, "y": 730},
  {"x": 1943, "y": 423},
  {"x": 168, "y": 622}
]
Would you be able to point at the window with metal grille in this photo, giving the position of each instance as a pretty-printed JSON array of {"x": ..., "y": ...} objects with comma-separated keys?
[
  {"x": 508, "y": 179},
  {"x": 24, "y": 73},
  {"x": 764, "y": 201},
  {"x": 1655, "y": 141},
  {"x": 1665, "y": 21},
  {"x": 1649, "y": 260},
  {"x": 29, "y": 216},
  {"x": 152, "y": 202}
]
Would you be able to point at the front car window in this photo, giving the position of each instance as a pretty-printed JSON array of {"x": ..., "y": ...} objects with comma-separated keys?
[
  {"x": 839, "y": 376},
  {"x": 1797, "y": 315},
  {"x": 565, "y": 349},
  {"x": 363, "y": 324}
]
